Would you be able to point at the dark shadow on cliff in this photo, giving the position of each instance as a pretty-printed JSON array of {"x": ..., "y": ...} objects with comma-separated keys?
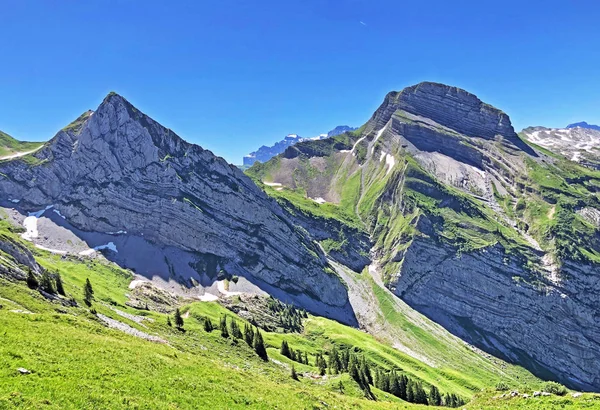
[{"x": 463, "y": 328}]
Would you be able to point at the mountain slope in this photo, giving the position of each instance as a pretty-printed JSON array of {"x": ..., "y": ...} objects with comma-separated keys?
[
  {"x": 170, "y": 209},
  {"x": 264, "y": 153},
  {"x": 10, "y": 147},
  {"x": 458, "y": 210},
  {"x": 576, "y": 143}
]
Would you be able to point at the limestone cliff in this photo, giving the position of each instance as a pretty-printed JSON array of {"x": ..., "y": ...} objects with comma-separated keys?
[{"x": 116, "y": 170}]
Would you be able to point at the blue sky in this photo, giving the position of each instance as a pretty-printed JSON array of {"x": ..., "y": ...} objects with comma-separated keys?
[{"x": 233, "y": 75}]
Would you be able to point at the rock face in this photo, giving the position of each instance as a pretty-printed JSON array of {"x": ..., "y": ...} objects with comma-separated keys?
[
  {"x": 117, "y": 170},
  {"x": 451, "y": 107},
  {"x": 577, "y": 143},
  {"x": 546, "y": 327},
  {"x": 447, "y": 192}
]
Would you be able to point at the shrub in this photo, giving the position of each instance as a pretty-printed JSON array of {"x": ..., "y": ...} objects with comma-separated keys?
[
  {"x": 555, "y": 388},
  {"x": 501, "y": 386}
]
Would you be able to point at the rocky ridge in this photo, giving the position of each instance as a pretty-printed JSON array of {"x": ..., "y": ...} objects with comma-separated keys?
[
  {"x": 116, "y": 171},
  {"x": 439, "y": 180}
]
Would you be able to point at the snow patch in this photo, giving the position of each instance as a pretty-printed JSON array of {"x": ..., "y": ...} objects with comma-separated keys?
[
  {"x": 390, "y": 161},
  {"x": 56, "y": 251},
  {"x": 272, "y": 183},
  {"x": 208, "y": 297},
  {"x": 110, "y": 246},
  {"x": 15, "y": 201},
  {"x": 135, "y": 283},
  {"x": 56, "y": 211},
  {"x": 117, "y": 233}
]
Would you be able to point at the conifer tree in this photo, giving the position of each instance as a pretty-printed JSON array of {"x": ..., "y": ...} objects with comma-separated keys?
[
  {"x": 249, "y": 335},
  {"x": 223, "y": 327},
  {"x": 294, "y": 374},
  {"x": 178, "y": 319},
  {"x": 403, "y": 382},
  {"x": 353, "y": 369},
  {"x": 235, "y": 330},
  {"x": 435, "y": 399},
  {"x": 59, "y": 285},
  {"x": 305, "y": 358},
  {"x": 334, "y": 361},
  {"x": 394, "y": 384},
  {"x": 32, "y": 282},
  {"x": 420, "y": 395},
  {"x": 88, "y": 293},
  {"x": 169, "y": 323},
  {"x": 285, "y": 349},
  {"x": 259, "y": 346},
  {"x": 410, "y": 393},
  {"x": 46, "y": 283},
  {"x": 208, "y": 326}
]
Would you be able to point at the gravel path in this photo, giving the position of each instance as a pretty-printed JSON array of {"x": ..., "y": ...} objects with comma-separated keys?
[{"x": 115, "y": 324}]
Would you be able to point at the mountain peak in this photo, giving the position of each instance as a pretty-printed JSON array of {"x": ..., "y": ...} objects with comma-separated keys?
[{"x": 584, "y": 124}]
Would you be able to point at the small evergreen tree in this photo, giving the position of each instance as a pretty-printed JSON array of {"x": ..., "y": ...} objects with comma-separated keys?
[
  {"x": 285, "y": 349},
  {"x": 208, "y": 326},
  {"x": 249, "y": 335},
  {"x": 294, "y": 374},
  {"x": 259, "y": 346},
  {"x": 46, "y": 283},
  {"x": 59, "y": 284},
  {"x": 235, "y": 330},
  {"x": 353, "y": 369},
  {"x": 88, "y": 293},
  {"x": 32, "y": 282},
  {"x": 435, "y": 398},
  {"x": 334, "y": 361},
  {"x": 178, "y": 319},
  {"x": 223, "y": 327},
  {"x": 169, "y": 323}
]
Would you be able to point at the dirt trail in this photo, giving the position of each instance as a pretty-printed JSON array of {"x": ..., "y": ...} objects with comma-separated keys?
[
  {"x": 20, "y": 154},
  {"x": 115, "y": 324}
]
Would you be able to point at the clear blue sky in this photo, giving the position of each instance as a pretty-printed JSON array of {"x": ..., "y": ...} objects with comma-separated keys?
[{"x": 233, "y": 75}]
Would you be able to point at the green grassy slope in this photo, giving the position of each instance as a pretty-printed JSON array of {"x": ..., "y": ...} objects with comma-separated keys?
[
  {"x": 10, "y": 146},
  {"x": 77, "y": 362}
]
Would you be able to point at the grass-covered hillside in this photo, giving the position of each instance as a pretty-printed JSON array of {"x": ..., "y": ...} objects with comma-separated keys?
[
  {"x": 58, "y": 352},
  {"x": 10, "y": 146}
]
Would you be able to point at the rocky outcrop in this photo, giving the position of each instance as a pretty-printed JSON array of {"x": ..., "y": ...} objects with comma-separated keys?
[
  {"x": 344, "y": 244},
  {"x": 450, "y": 107},
  {"x": 116, "y": 170},
  {"x": 576, "y": 143},
  {"x": 487, "y": 298}
]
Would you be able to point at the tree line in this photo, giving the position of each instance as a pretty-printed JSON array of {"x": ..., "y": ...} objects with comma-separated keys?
[{"x": 366, "y": 374}]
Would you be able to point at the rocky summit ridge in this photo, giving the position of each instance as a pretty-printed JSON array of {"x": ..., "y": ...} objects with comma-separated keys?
[
  {"x": 468, "y": 224},
  {"x": 115, "y": 170}
]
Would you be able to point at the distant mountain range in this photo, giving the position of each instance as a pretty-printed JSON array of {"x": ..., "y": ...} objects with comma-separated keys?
[
  {"x": 264, "y": 153},
  {"x": 584, "y": 124},
  {"x": 579, "y": 142}
]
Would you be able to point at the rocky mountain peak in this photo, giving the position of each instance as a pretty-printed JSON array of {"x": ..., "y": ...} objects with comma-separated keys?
[
  {"x": 449, "y": 106},
  {"x": 584, "y": 124}
]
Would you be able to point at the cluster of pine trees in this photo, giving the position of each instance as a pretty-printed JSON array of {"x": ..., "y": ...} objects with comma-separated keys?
[
  {"x": 366, "y": 374},
  {"x": 290, "y": 318},
  {"x": 230, "y": 328},
  {"x": 49, "y": 283},
  {"x": 295, "y": 355}
]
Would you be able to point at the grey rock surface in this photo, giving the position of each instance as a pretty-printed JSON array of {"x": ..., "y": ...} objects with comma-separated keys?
[{"x": 117, "y": 170}]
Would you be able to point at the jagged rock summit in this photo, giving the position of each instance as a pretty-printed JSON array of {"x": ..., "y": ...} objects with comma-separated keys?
[{"x": 117, "y": 171}]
